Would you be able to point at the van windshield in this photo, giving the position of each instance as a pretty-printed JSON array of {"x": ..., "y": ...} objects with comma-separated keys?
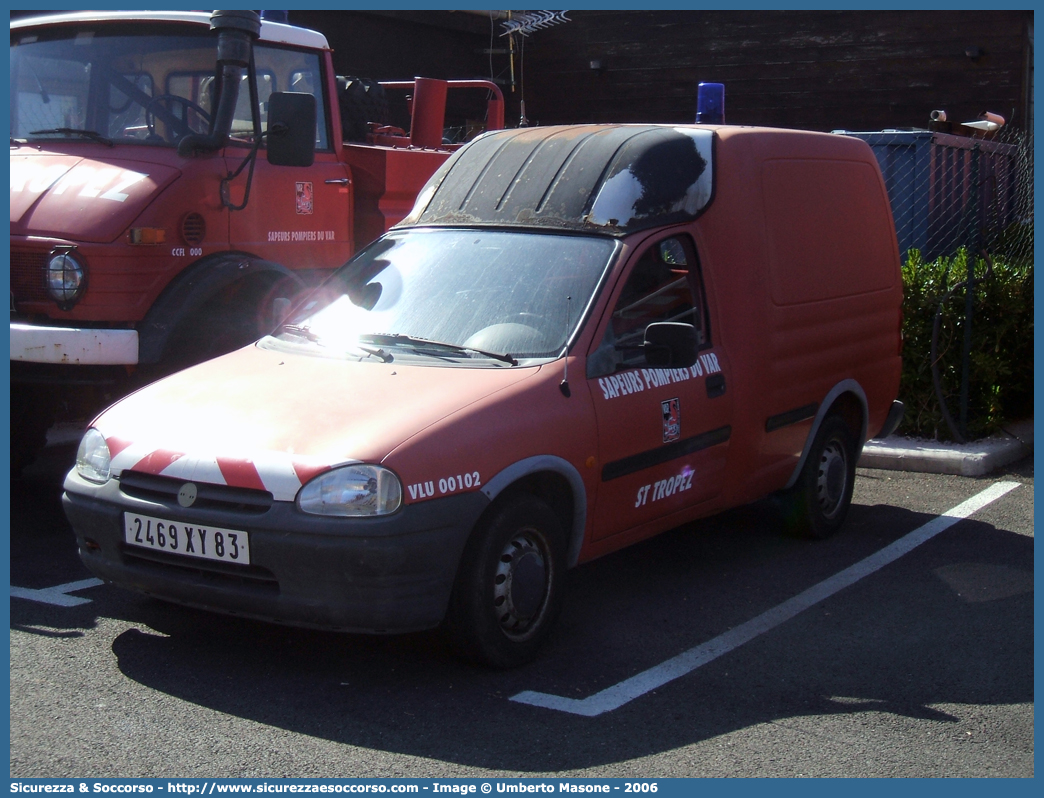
[{"x": 453, "y": 295}]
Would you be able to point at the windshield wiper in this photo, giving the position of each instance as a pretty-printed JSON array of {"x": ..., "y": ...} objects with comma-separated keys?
[
  {"x": 93, "y": 135},
  {"x": 384, "y": 356},
  {"x": 398, "y": 338},
  {"x": 299, "y": 331},
  {"x": 305, "y": 332}
]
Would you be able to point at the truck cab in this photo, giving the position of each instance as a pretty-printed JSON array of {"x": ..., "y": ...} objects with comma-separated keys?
[{"x": 156, "y": 218}]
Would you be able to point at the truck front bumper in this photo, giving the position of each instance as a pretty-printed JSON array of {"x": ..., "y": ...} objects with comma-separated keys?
[
  {"x": 378, "y": 575},
  {"x": 73, "y": 345}
]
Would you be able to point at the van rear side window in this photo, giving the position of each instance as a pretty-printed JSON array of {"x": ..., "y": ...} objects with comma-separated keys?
[{"x": 827, "y": 230}]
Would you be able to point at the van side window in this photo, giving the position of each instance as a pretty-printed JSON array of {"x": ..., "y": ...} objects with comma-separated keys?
[{"x": 664, "y": 285}]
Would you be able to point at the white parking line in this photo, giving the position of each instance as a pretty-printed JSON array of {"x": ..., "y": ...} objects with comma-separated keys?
[
  {"x": 57, "y": 595},
  {"x": 638, "y": 685}
]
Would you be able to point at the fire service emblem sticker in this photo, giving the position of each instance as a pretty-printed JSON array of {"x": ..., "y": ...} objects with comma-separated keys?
[
  {"x": 671, "y": 420},
  {"x": 304, "y": 197}
]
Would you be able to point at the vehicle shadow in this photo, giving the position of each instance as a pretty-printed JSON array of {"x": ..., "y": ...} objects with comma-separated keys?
[
  {"x": 943, "y": 625},
  {"x": 42, "y": 545}
]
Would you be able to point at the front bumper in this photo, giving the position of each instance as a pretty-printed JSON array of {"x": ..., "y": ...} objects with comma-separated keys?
[
  {"x": 391, "y": 574},
  {"x": 71, "y": 345}
]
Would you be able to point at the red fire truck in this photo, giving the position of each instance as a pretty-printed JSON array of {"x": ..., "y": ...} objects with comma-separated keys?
[{"x": 176, "y": 178}]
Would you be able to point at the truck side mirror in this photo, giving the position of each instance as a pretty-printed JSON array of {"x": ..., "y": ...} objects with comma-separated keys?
[
  {"x": 291, "y": 128},
  {"x": 670, "y": 344}
]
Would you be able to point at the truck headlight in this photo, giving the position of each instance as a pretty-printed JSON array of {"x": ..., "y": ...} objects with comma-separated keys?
[
  {"x": 354, "y": 490},
  {"x": 92, "y": 458},
  {"x": 66, "y": 277}
]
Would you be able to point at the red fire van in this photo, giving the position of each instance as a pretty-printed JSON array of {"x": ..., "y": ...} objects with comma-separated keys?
[{"x": 580, "y": 337}]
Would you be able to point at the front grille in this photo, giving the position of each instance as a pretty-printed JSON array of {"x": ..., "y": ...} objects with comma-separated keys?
[
  {"x": 208, "y": 572},
  {"x": 208, "y": 497},
  {"x": 27, "y": 276}
]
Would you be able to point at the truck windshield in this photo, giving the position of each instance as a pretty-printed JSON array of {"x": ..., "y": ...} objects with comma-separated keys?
[
  {"x": 119, "y": 82},
  {"x": 478, "y": 294}
]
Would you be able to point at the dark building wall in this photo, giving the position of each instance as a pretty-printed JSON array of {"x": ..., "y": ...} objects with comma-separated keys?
[
  {"x": 402, "y": 45},
  {"x": 860, "y": 70},
  {"x": 821, "y": 70}
]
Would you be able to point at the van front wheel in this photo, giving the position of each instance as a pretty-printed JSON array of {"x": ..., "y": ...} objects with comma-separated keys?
[
  {"x": 817, "y": 505},
  {"x": 510, "y": 585}
]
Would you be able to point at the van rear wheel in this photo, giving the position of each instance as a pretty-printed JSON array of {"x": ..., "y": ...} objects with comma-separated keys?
[
  {"x": 817, "y": 505},
  {"x": 509, "y": 587}
]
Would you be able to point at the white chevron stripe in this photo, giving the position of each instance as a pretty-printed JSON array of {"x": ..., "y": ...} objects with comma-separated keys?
[
  {"x": 277, "y": 474},
  {"x": 130, "y": 457},
  {"x": 197, "y": 469},
  {"x": 276, "y": 469}
]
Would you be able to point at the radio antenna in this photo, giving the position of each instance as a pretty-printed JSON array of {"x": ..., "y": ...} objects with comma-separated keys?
[{"x": 563, "y": 386}]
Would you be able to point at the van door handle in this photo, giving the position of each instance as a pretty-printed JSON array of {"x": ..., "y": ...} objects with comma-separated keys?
[
  {"x": 338, "y": 181},
  {"x": 715, "y": 385}
]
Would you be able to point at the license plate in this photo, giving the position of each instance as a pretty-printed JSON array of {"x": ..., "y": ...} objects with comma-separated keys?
[{"x": 192, "y": 540}]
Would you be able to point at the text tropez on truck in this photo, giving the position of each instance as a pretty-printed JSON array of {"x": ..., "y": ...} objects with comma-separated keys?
[
  {"x": 176, "y": 178},
  {"x": 579, "y": 338}
]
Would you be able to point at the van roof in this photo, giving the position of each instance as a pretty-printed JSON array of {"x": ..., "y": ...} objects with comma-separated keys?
[
  {"x": 613, "y": 179},
  {"x": 275, "y": 32}
]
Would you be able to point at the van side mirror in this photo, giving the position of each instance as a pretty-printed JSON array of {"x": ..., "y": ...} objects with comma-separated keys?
[
  {"x": 291, "y": 128},
  {"x": 670, "y": 344}
]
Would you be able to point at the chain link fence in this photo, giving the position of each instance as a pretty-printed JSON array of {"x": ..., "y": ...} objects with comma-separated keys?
[
  {"x": 963, "y": 210},
  {"x": 950, "y": 192}
]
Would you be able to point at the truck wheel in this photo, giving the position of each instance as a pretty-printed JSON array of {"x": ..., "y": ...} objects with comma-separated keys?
[
  {"x": 510, "y": 585},
  {"x": 817, "y": 505},
  {"x": 239, "y": 314}
]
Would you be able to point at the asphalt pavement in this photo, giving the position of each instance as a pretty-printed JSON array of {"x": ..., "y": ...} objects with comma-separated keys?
[{"x": 822, "y": 667}]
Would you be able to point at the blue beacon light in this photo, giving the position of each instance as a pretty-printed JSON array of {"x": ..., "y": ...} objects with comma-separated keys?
[{"x": 710, "y": 104}]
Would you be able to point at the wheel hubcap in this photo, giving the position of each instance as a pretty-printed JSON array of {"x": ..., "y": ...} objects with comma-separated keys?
[
  {"x": 521, "y": 584},
  {"x": 832, "y": 479}
]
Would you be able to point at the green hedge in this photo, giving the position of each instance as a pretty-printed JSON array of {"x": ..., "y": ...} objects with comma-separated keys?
[{"x": 1001, "y": 384}]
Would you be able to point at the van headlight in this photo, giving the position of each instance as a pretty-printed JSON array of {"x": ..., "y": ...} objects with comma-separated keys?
[
  {"x": 354, "y": 490},
  {"x": 66, "y": 277},
  {"x": 92, "y": 458}
]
